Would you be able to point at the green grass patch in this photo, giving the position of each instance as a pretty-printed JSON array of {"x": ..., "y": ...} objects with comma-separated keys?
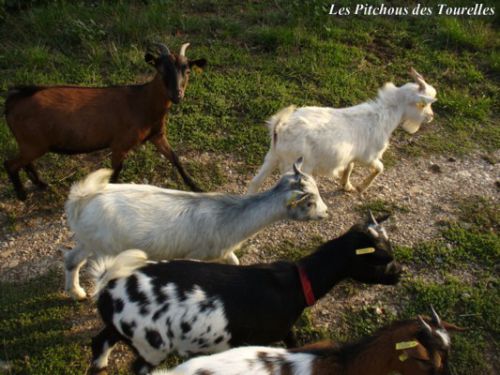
[
  {"x": 262, "y": 57},
  {"x": 289, "y": 250},
  {"x": 380, "y": 206},
  {"x": 35, "y": 328}
]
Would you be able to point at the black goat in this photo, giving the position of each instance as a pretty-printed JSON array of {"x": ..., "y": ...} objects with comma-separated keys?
[{"x": 194, "y": 307}]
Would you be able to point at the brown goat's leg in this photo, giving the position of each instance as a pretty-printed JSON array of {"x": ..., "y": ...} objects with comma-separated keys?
[
  {"x": 34, "y": 177},
  {"x": 291, "y": 340},
  {"x": 117, "y": 158},
  {"x": 12, "y": 167},
  {"x": 165, "y": 149}
]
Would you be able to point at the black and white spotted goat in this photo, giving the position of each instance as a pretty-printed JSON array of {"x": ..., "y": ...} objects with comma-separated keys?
[{"x": 192, "y": 307}]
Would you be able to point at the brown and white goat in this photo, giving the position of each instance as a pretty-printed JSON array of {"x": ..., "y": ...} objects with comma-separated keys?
[
  {"x": 75, "y": 120},
  {"x": 411, "y": 347}
]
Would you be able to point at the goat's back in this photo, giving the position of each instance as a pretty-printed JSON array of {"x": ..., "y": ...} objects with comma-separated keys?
[
  {"x": 245, "y": 360},
  {"x": 165, "y": 223},
  {"x": 67, "y": 119},
  {"x": 325, "y": 137}
]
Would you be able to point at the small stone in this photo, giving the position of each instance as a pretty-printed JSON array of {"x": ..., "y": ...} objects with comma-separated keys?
[{"x": 434, "y": 168}]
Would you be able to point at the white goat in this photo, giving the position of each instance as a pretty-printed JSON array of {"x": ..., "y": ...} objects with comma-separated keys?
[
  {"x": 331, "y": 140},
  {"x": 110, "y": 218}
]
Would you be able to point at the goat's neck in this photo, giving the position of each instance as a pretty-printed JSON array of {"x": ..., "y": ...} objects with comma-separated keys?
[
  {"x": 253, "y": 213},
  {"x": 390, "y": 115},
  {"x": 327, "y": 266},
  {"x": 157, "y": 96},
  {"x": 375, "y": 356}
]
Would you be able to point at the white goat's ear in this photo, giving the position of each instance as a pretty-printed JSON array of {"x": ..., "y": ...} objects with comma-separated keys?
[
  {"x": 424, "y": 99},
  {"x": 297, "y": 165}
]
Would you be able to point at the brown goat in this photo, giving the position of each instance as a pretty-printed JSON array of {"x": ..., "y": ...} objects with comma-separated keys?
[
  {"x": 75, "y": 120},
  {"x": 411, "y": 347}
]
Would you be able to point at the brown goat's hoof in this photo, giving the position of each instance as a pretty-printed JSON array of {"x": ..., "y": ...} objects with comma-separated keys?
[
  {"x": 42, "y": 186},
  {"x": 196, "y": 189},
  {"x": 21, "y": 195},
  {"x": 98, "y": 371}
]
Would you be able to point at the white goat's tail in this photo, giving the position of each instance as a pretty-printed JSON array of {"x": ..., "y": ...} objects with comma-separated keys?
[
  {"x": 124, "y": 264},
  {"x": 85, "y": 189},
  {"x": 277, "y": 120}
]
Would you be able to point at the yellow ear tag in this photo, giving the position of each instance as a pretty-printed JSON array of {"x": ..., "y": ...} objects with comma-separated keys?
[
  {"x": 403, "y": 357},
  {"x": 366, "y": 250},
  {"x": 406, "y": 345}
]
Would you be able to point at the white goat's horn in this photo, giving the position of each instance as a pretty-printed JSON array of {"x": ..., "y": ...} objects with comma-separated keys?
[
  {"x": 435, "y": 317},
  {"x": 425, "y": 325},
  {"x": 418, "y": 79},
  {"x": 372, "y": 217},
  {"x": 183, "y": 49}
]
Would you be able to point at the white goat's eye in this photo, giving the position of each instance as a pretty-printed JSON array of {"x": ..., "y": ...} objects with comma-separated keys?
[{"x": 420, "y": 105}]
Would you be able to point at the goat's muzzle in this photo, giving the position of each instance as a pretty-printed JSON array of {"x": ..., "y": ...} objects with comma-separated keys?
[{"x": 393, "y": 273}]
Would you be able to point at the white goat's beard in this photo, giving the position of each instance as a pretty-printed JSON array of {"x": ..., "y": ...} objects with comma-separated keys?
[{"x": 411, "y": 126}]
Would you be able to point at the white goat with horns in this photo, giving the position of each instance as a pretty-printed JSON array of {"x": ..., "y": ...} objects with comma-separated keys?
[
  {"x": 166, "y": 224},
  {"x": 331, "y": 140}
]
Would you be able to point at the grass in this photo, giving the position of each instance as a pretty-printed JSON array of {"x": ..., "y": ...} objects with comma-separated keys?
[
  {"x": 380, "y": 206},
  {"x": 263, "y": 55},
  {"x": 457, "y": 274},
  {"x": 34, "y": 329}
]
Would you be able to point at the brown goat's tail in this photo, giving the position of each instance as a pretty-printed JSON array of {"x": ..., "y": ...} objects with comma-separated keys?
[
  {"x": 83, "y": 190},
  {"x": 275, "y": 122}
]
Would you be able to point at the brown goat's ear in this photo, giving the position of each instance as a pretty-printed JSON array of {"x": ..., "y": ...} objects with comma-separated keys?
[
  {"x": 149, "y": 58},
  {"x": 200, "y": 63},
  {"x": 452, "y": 327}
]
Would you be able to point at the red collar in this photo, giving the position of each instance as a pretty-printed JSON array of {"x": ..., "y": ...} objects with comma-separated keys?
[{"x": 306, "y": 287}]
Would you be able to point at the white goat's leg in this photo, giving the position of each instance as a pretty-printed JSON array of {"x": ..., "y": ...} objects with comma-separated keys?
[
  {"x": 346, "y": 183},
  {"x": 378, "y": 168},
  {"x": 231, "y": 258},
  {"x": 73, "y": 261},
  {"x": 270, "y": 163}
]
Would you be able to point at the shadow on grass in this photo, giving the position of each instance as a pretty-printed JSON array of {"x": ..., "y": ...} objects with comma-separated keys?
[{"x": 35, "y": 328}]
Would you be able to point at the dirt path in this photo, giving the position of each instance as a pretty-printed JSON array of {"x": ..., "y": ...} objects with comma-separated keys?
[{"x": 425, "y": 190}]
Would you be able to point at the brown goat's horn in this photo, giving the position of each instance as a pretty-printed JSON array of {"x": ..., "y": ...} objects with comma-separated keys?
[
  {"x": 183, "y": 49},
  {"x": 436, "y": 320},
  {"x": 372, "y": 217},
  {"x": 424, "y": 325},
  {"x": 418, "y": 79}
]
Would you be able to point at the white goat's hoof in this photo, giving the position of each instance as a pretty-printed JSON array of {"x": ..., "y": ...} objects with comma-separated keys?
[
  {"x": 78, "y": 294},
  {"x": 349, "y": 188}
]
